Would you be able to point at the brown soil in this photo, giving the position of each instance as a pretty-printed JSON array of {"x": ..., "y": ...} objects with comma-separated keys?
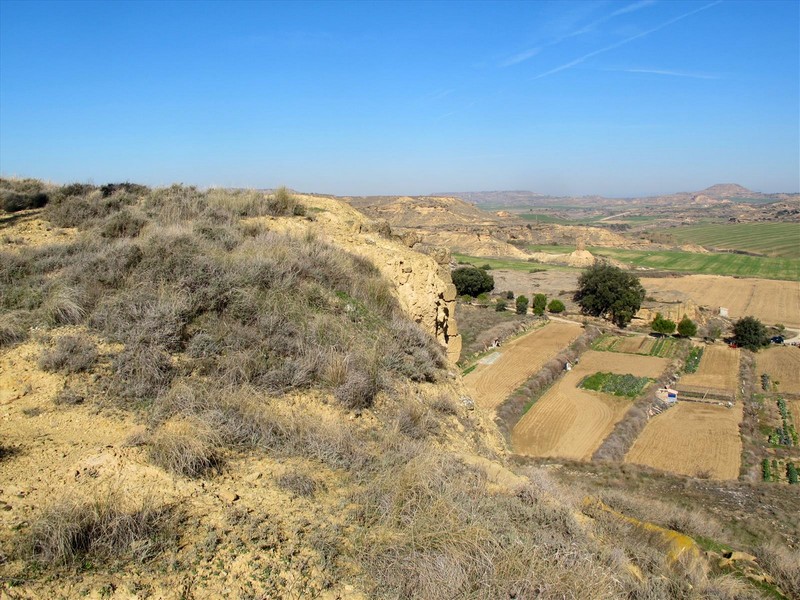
[
  {"x": 718, "y": 370},
  {"x": 490, "y": 384},
  {"x": 692, "y": 438},
  {"x": 769, "y": 300},
  {"x": 782, "y": 364},
  {"x": 570, "y": 422}
]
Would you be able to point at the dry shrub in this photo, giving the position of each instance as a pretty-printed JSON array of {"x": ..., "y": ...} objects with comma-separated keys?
[
  {"x": 444, "y": 404},
  {"x": 142, "y": 372},
  {"x": 72, "y": 354},
  {"x": 414, "y": 419},
  {"x": 125, "y": 223},
  {"x": 14, "y": 327},
  {"x": 430, "y": 530},
  {"x": 105, "y": 528},
  {"x": 784, "y": 565},
  {"x": 298, "y": 484},
  {"x": 186, "y": 446},
  {"x": 67, "y": 396},
  {"x": 63, "y": 306}
]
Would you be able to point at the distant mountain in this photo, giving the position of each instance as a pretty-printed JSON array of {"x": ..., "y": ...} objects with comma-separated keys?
[{"x": 716, "y": 193}]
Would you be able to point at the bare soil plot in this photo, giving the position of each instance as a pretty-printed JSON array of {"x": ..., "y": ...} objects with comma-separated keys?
[
  {"x": 794, "y": 410},
  {"x": 490, "y": 384},
  {"x": 634, "y": 345},
  {"x": 692, "y": 438},
  {"x": 782, "y": 364},
  {"x": 770, "y": 300},
  {"x": 718, "y": 371},
  {"x": 569, "y": 422}
]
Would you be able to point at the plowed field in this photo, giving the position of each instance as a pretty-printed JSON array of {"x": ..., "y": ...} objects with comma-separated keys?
[
  {"x": 769, "y": 300},
  {"x": 718, "y": 370},
  {"x": 634, "y": 345},
  {"x": 490, "y": 384},
  {"x": 569, "y": 422},
  {"x": 692, "y": 438},
  {"x": 782, "y": 364}
]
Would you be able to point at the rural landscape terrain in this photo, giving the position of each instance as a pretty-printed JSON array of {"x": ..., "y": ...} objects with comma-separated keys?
[{"x": 264, "y": 393}]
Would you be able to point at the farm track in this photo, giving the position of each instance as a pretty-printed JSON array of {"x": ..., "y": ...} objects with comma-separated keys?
[
  {"x": 770, "y": 301},
  {"x": 519, "y": 359},
  {"x": 569, "y": 422},
  {"x": 782, "y": 364},
  {"x": 694, "y": 439},
  {"x": 718, "y": 370}
]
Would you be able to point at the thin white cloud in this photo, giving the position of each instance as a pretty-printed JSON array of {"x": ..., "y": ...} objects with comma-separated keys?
[
  {"x": 518, "y": 58},
  {"x": 669, "y": 73},
  {"x": 530, "y": 53},
  {"x": 632, "y": 7},
  {"x": 586, "y": 57}
]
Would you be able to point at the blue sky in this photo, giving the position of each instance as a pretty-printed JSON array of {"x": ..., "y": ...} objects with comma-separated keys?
[{"x": 613, "y": 98}]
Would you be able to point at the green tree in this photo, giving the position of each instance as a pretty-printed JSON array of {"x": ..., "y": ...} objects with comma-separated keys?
[
  {"x": 607, "y": 291},
  {"x": 539, "y": 304},
  {"x": 556, "y": 306},
  {"x": 509, "y": 295},
  {"x": 662, "y": 325},
  {"x": 687, "y": 327},
  {"x": 500, "y": 306},
  {"x": 470, "y": 281},
  {"x": 522, "y": 305},
  {"x": 750, "y": 333}
]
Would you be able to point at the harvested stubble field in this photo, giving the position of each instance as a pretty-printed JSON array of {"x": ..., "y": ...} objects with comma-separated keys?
[
  {"x": 782, "y": 364},
  {"x": 692, "y": 438},
  {"x": 634, "y": 345},
  {"x": 770, "y": 301},
  {"x": 490, "y": 384},
  {"x": 569, "y": 422},
  {"x": 718, "y": 371}
]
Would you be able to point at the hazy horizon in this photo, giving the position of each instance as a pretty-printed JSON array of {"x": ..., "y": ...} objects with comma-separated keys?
[{"x": 617, "y": 99}]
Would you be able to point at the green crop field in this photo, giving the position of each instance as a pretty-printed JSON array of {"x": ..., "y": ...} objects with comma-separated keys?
[
  {"x": 718, "y": 263},
  {"x": 770, "y": 239},
  {"x": 515, "y": 264}
]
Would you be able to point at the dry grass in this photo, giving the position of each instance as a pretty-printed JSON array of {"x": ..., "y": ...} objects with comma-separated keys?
[
  {"x": 105, "y": 529},
  {"x": 298, "y": 484},
  {"x": 72, "y": 354}
]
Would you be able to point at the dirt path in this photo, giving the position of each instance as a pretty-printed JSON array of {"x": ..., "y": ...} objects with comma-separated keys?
[
  {"x": 492, "y": 383},
  {"x": 692, "y": 439},
  {"x": 569, "y": 422}
]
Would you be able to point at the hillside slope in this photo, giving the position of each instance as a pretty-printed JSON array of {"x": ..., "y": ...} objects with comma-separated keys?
[{"x": 221, "y": 394}]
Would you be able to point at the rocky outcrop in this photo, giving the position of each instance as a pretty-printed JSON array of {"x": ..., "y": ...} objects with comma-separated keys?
[{"x": 422, "y": 280}]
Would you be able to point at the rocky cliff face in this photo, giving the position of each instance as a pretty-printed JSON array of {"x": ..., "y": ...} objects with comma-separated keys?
[{"x": 422, "y": 280}]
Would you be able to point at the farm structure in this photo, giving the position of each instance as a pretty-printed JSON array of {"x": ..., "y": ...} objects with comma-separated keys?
[
  {"x": 570, "y": 422},
  {"x": 782, "y": 364},
  {"x": 717, "y": 376},
  {"x": 691, "y": 438},
  {"x": 490, "y": 384}
]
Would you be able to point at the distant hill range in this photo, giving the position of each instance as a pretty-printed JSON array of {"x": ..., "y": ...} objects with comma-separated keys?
[{"x": 719, "y": 193}]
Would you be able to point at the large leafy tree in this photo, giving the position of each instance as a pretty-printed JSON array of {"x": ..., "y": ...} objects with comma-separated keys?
[
  {"x": 471, "y": 281},
  {"x": 750, "y": 333},
  {"x": 607, "y": 291}
]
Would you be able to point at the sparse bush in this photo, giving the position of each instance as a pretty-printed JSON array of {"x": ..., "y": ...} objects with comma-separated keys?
[
  {"x": 142, "y": 371},
  {"x": 521, "y": 305},
  {"x": 63, "y": 306},
  {"x": 298, "y": 484},
  {"x": 687, "y": 327},
  {"x": 185, "y": 446},
  {"x": 500, "y": 306},
  {"x": 67, "y": 397},
  {"x": 72, "y": 354},
  {"x": 106, "y": 528},
  {"x": 414, "y": 420},
  {"x": 125, "y": 223},
  {"x": 13, "y": 201},
  {"x": 14, "y": 327},
  {"x": 556, "y": 306},
  {"x": 539, "y": 304},
  {"x": 509, "y": 295}
]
